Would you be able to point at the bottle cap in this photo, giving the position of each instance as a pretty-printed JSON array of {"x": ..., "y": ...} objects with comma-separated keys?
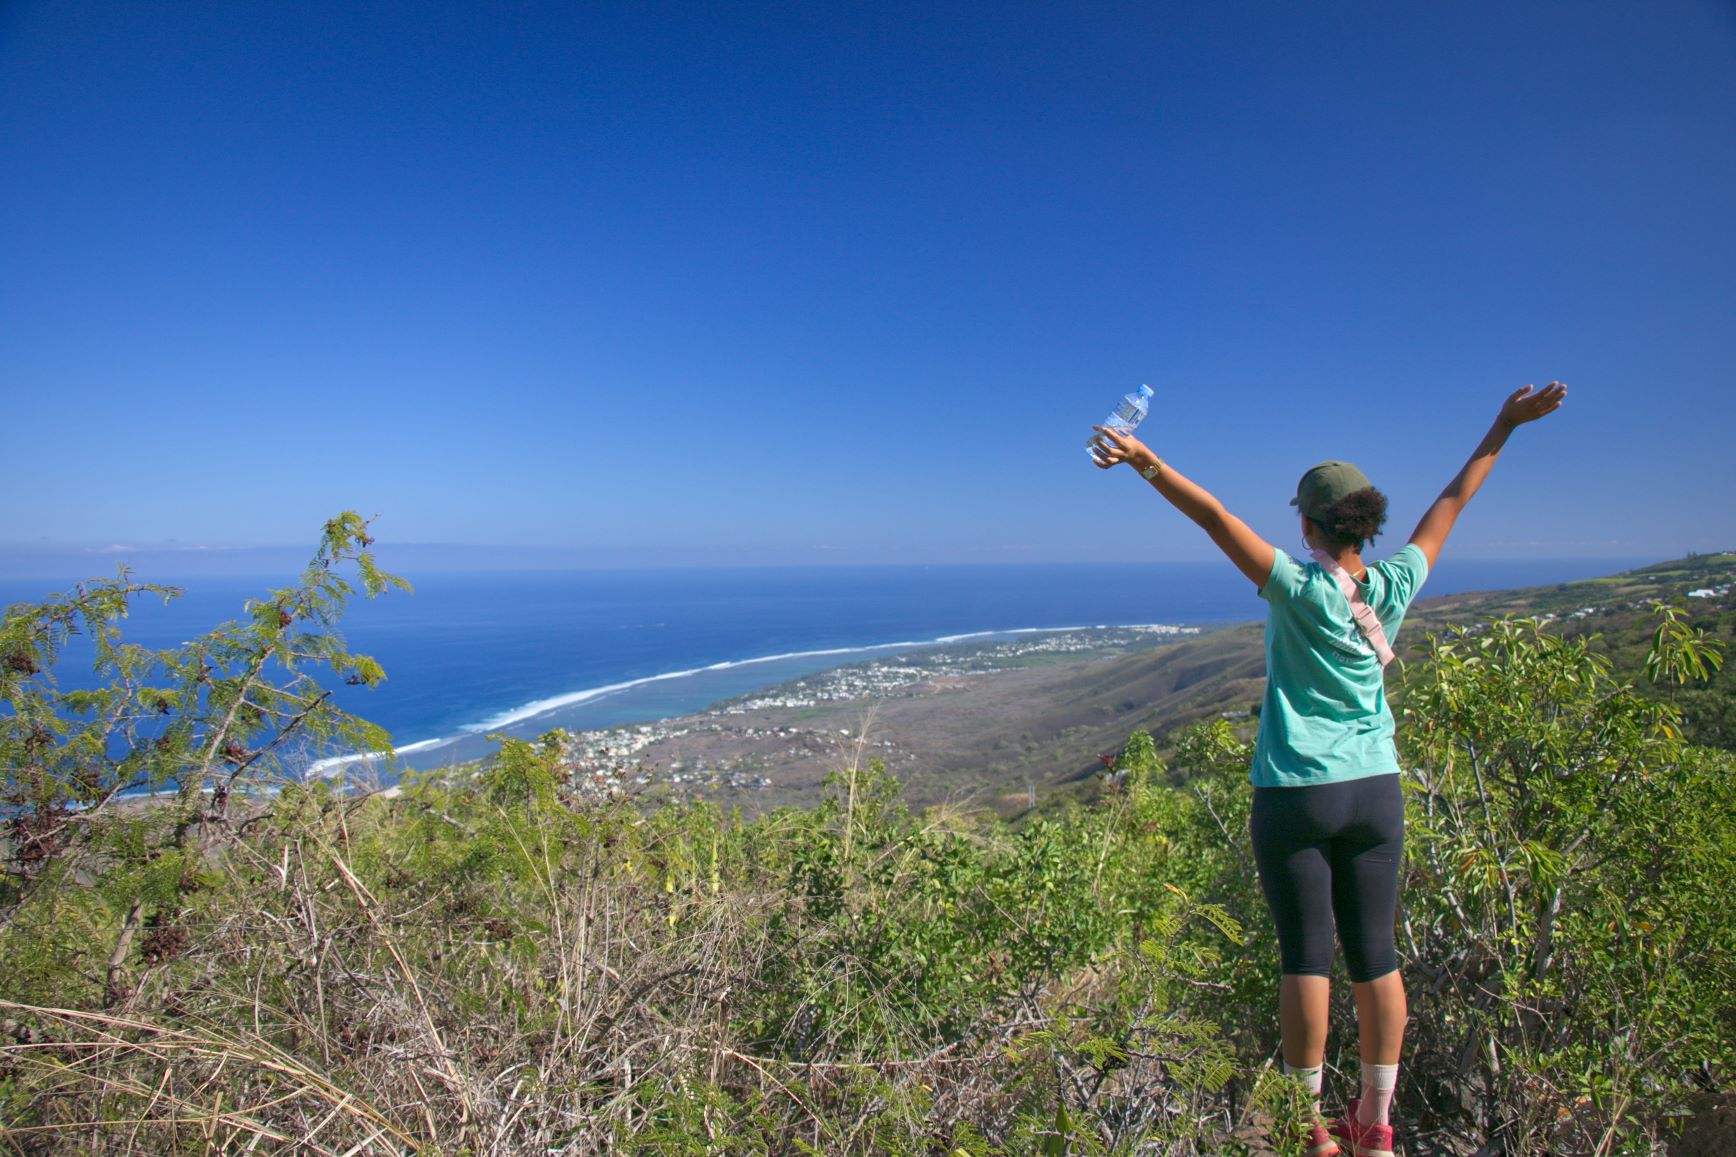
[{"x": 1145, "y": 391}]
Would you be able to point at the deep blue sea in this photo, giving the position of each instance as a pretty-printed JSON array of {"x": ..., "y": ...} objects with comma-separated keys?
[{"x": 520, "y": 653}]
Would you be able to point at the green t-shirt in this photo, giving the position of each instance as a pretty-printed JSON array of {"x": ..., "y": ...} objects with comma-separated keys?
[{"x": 1324, "y": 717}]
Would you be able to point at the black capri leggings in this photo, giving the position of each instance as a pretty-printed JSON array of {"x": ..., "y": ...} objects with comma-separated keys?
[{"x": 1331, "y": 851}]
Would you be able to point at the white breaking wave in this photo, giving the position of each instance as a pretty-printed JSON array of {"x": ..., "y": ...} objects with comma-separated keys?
[
  {"x": 320, "y": 767},
  {"x": 1011, "y": 631},
  {"x": 556, "y": 702},
  {"x": 422, "y": 746}
]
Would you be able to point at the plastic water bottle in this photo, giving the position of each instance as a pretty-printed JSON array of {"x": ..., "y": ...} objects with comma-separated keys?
[{"x": 1130, "y": 413}]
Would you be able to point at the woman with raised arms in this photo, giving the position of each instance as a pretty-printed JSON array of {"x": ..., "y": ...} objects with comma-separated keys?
[{"x": 1328, "y": 817}]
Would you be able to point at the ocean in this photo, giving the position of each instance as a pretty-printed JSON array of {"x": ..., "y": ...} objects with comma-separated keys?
[{"x": 470, "y": 654}]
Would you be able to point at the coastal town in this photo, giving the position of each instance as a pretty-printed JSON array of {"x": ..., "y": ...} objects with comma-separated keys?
[{"x": 734, "y": 746}]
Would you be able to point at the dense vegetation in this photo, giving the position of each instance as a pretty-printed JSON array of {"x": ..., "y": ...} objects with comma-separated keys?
[{"x": 501, "y": 965}]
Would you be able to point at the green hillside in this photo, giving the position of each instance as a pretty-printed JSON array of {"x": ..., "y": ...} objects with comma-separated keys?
[{"x": 505, "y": 964}]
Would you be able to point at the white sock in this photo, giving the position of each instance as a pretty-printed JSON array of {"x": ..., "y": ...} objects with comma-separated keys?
[
  {"x": 1312, "y": 1079},
  {"x": 1378, "y": 1082}
]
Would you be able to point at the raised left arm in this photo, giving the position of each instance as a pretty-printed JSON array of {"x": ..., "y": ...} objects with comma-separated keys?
[{"x": 1252, "y": 554}]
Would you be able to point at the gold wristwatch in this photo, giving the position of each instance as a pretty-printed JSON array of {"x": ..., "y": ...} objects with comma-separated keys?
[{"x": 1153, "y": 470}]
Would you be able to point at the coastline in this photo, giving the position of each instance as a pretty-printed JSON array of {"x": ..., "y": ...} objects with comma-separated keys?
[
  {"x": 772, "y": 740},
  {"x": 677, "y": 694},
  {"x": 925, "y": 715}
]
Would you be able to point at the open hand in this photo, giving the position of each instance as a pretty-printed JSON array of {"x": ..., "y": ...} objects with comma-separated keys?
[
  {"x": 1524, "y": 406},
  {"x": 1112, "y": 446}
]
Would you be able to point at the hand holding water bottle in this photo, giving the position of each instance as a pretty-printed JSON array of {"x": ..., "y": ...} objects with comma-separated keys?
[
  {"x": 1111, "y": 447},
  {"x": 1120, "y": 422}
]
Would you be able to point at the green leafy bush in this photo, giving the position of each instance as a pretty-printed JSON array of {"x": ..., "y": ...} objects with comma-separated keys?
[{"x": 1565, "y": 915}]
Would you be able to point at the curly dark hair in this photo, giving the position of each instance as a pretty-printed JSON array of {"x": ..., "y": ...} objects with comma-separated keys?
[{"x": 1353, "y": 520}]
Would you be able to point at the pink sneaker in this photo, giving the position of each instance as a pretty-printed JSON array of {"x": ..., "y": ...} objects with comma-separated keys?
[
  {"x": 1345, "y": 1129},
  {"x": 1359, "y": 1140},
  {"x": 1373, "y": 1141},
  {"x": 1320, "y": 1142}
]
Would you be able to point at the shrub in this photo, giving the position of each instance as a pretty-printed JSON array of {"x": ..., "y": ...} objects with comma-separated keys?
[{"x": 1564, "y": 914}]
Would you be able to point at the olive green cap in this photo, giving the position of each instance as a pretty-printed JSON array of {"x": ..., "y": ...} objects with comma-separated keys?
[{"x": 1325, "y": 484}]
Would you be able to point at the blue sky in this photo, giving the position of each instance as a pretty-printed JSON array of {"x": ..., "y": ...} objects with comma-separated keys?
[{"x": 845, "y": 282}]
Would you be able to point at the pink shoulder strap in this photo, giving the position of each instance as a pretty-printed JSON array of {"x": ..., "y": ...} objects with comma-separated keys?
[{"x": 1367, "y": 622}]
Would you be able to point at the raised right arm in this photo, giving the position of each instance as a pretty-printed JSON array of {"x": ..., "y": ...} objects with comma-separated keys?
[{"x": 1520, "y": 407}]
